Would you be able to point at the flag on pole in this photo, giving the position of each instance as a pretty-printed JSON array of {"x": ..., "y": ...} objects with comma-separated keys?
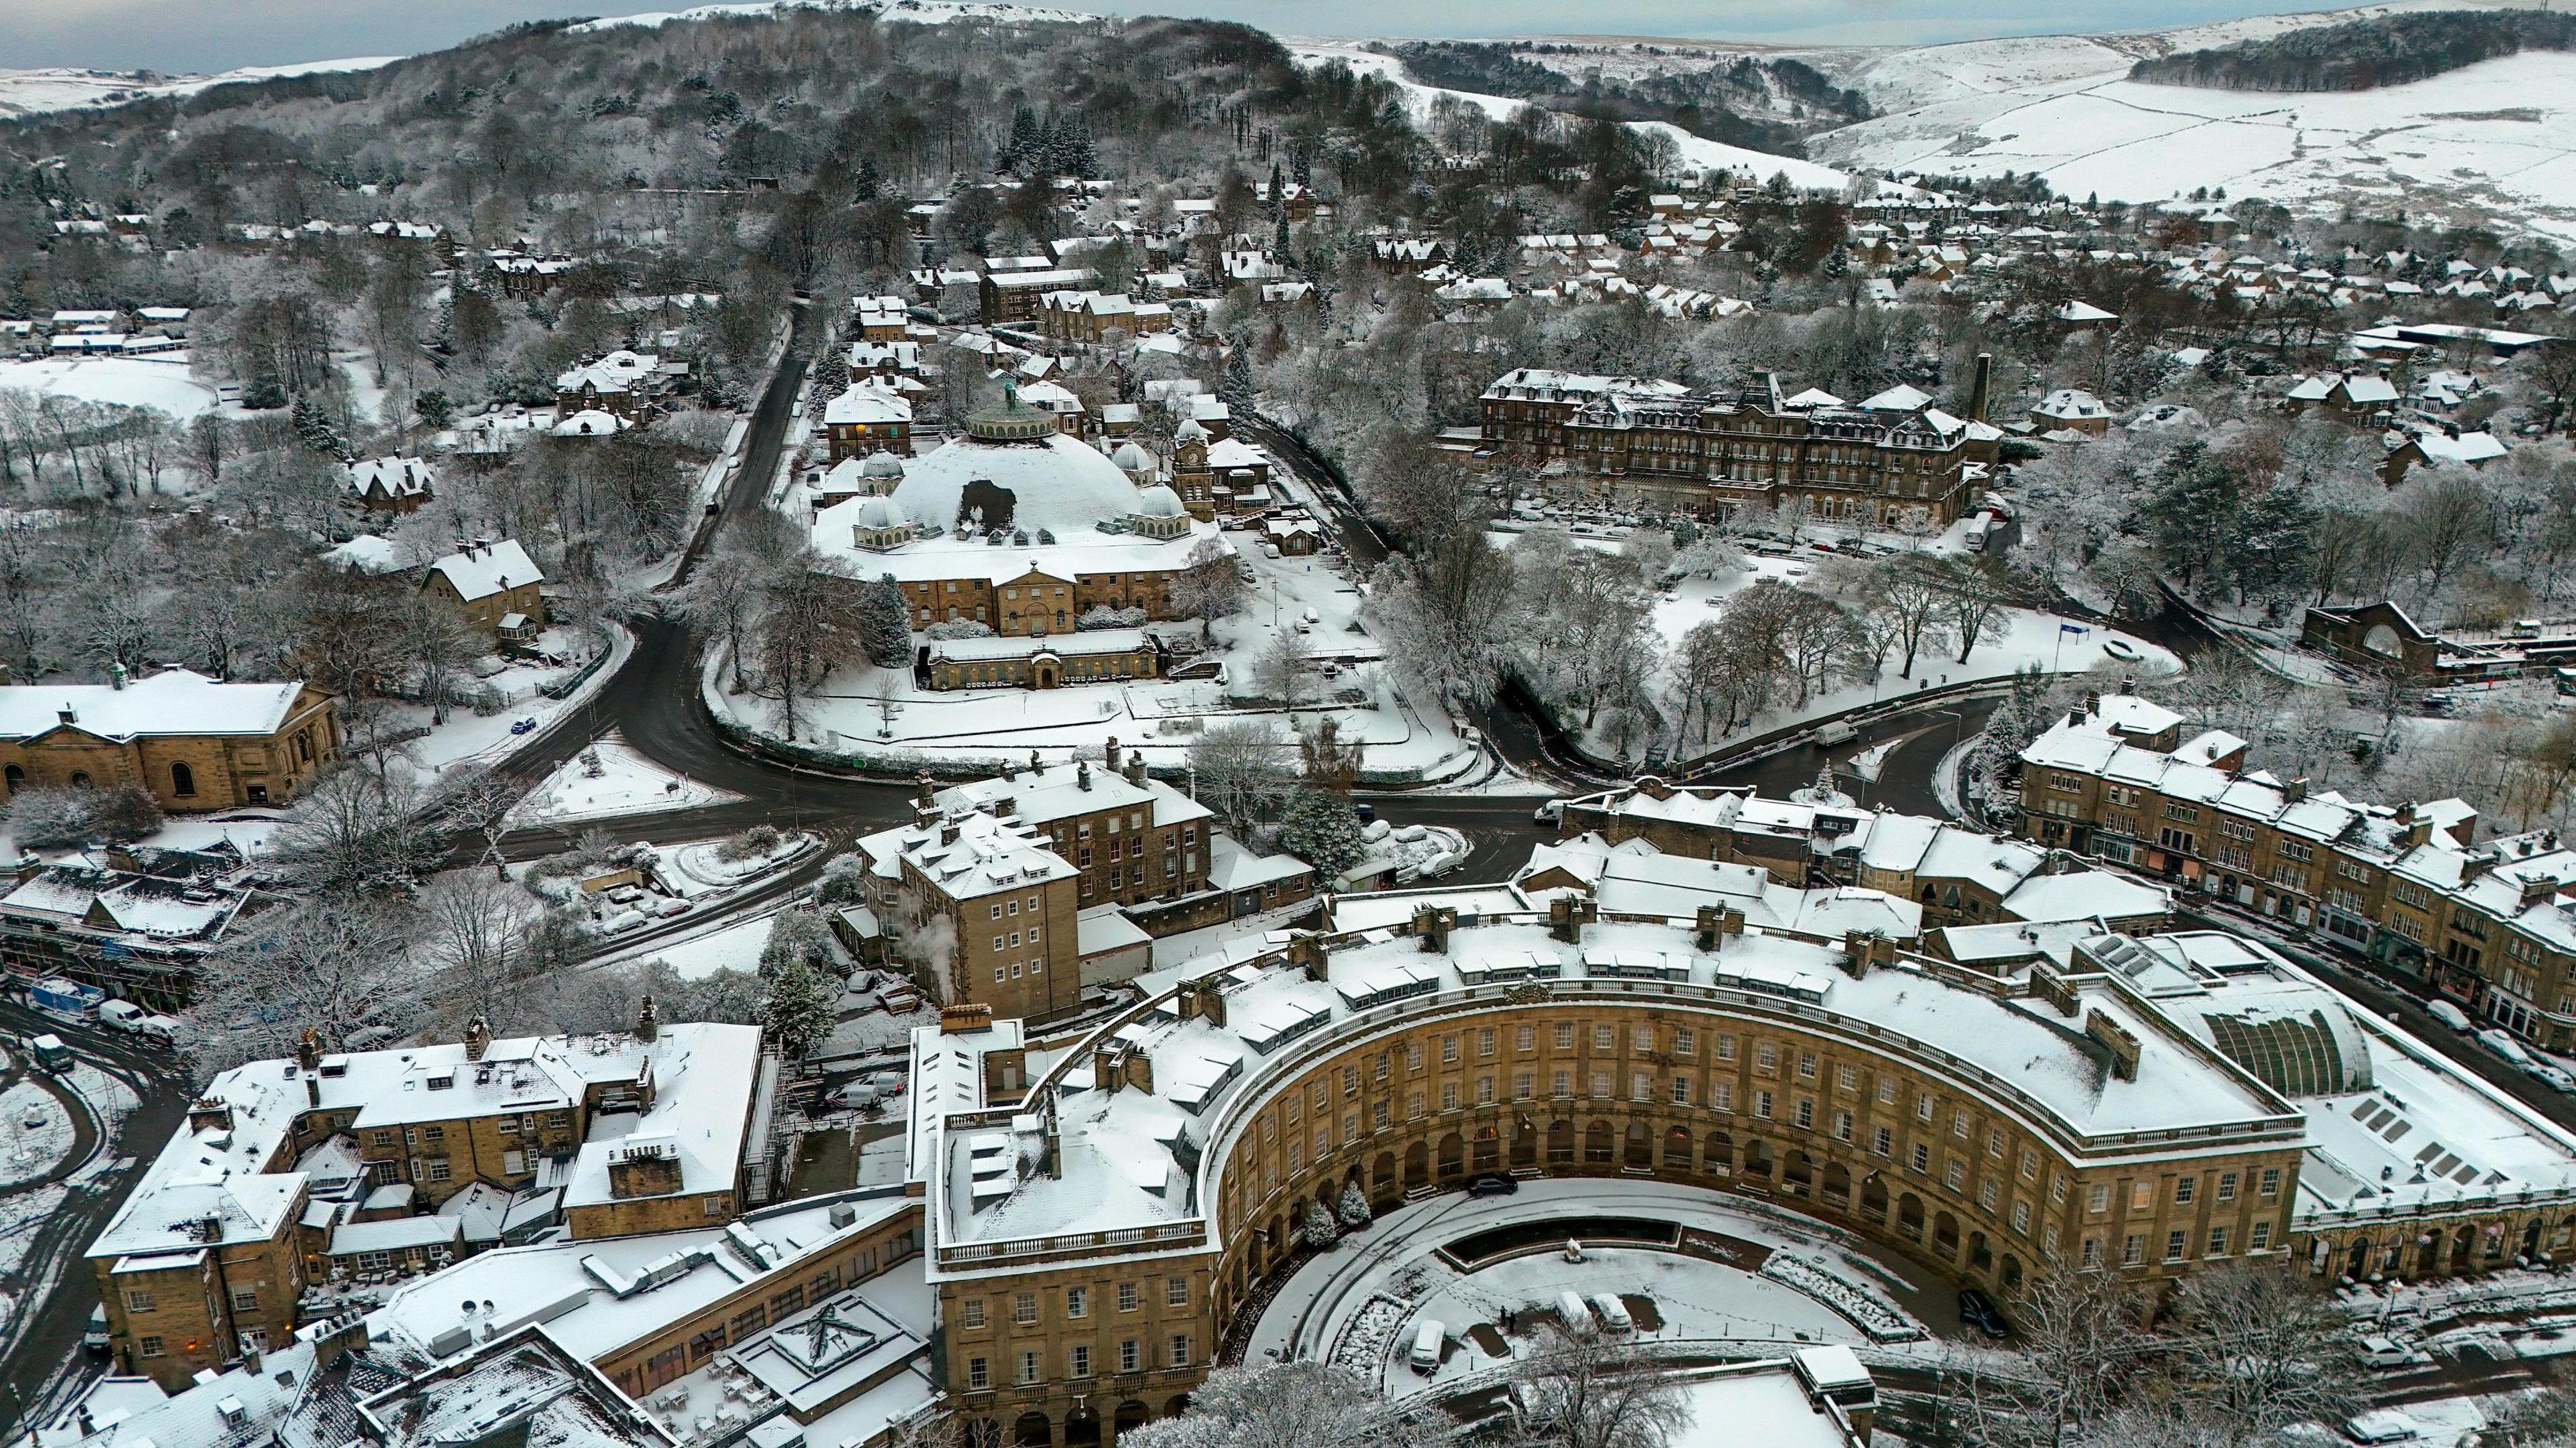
[{"x": 2072, "y": 628}]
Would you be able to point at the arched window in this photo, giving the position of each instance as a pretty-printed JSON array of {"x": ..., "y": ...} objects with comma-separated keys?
[
  {"x": 183, "y": 780},
  {"x": 16, "y": 777},
  {"x": 304, "y": 748}
]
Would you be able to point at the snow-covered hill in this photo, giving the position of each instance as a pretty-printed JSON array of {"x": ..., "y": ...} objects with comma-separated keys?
[
  {"x": 1695, "y": 152},
  {"x": 27, "y": 92},
  {"x": 918, "y": 12},
  {"x": 2492, "y": 141}
]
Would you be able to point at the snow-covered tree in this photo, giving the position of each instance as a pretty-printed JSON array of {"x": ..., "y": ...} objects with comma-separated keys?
[
  {"x": 1293, "y": 1405},
  {"x": 1321, "y": 1228},
  {"x": 798, "y": 1011},
  {"x": 885, "y": 624},
  {"x": 1587, "y": 1389},
  {"x": 1241, "y": 771},
  {"x": 1354, "y": 1205},
  {"x": 1320, "y": 829}
]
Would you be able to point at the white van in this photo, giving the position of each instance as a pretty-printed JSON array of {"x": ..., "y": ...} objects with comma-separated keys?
[
  {"x": 120, "y": 1015},
  {"x": 1614, "y": 1313},
  {"x": 1578, "y": 1318},
  {"x": 2449, "y": 1015},
  {"x": 1427, "y": 1341},
  {"x": 160, "y": 1030},
  {"x": 1839, "y": 731}
]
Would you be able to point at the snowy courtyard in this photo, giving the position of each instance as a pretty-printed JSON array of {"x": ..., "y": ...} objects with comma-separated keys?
[{"x": 1729, "y": 1271}]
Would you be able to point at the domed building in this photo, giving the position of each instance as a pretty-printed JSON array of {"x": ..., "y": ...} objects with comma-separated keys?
[{"x": 1016, "y": 526}]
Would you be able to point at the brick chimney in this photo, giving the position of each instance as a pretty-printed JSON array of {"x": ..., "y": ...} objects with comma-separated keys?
[
  {"x": 1110, "y": 757},
  {"x": 648, "y": 1022},
  {"x": 1082, "y": 775},
  {"x": 958, "y": 1020},
  {"x": 478, "y": 1038},
  {"x": 1979, "y": 389},
  {"x": 1136, "y": 767},
  {"x": 1431, "y": 926}
]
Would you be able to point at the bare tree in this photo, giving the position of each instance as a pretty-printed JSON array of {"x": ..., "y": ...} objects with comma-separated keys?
[
  {"x": 338, "y": 964},
  {"x": 2261, "y": 1348},
  {"x": 1207, "y": 588},
  {"x": 1240, "y": 770},
  {"x": 1292, "y": 1405},
  {"x": 437, "y": 643},
  {"x": 1586, "y": 1389},
  {"x": 1907, "y": 599},
  {"x": 357, "y": 831},
  {"x": 1973, "y": 596},
  {"x": 478, "y": 937}
]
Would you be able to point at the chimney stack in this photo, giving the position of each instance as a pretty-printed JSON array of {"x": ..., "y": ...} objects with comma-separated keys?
[
  {"x": 1136, "y": 767},
  {"x": 478, "y": 1038},
  {"x": 1980, "y": 388},
  {"x": 1111, "y": 758},
  {"x": 648, "y": 1022},
  {"x": 1082, "y": 775}
]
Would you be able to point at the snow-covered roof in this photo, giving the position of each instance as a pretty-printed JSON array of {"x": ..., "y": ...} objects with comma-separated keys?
[
  {"x": 1056, "y": 482},
  {"x": 865, "y": 404},
  {"x": 1069, "y": 790},
  {"x": 701, "y": 1075},
  {"x": 970, "y": 855},
  {"x": 481, "y": 570},
  {"x": 174, "y": 702},
  {"x": 2391, "y": 1122},
  {"x": 1142, "y": 1163}
]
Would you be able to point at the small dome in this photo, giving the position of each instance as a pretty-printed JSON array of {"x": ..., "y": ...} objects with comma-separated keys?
[
  {"x": 1189, "y": 431},
  {"x": 878, "y": 512},
  {"x": 1158, "y": 501},
  {"x": 1131, "y": 458},
  {"x": 881, "y": 465}
]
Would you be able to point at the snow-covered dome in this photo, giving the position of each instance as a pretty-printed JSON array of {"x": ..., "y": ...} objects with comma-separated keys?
[
  {"x": 881, "y": 465},
  {"x": 877, "y": 513},
  {"x": 1049, "y": 481},
  {"x": 1158, "y": 501},
  {"x": 1189, "y": 431},
  {"x": 1130, "y": 458}
]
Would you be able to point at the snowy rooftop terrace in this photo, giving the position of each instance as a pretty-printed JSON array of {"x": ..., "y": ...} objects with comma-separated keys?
[{"x": 1135, "y": 1166}]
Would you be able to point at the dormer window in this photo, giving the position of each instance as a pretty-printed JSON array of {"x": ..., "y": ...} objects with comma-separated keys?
[{"x": 441, "y": 1083}]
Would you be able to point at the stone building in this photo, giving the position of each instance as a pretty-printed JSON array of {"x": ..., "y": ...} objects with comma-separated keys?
[
  {"x": 608, "y": 1135},
  {"x": 2145, "y": 1107},
  {"x": 192, "y": 743},
  {"x": 497, "y": 586},
  {"x": 1650, "y": 442}
]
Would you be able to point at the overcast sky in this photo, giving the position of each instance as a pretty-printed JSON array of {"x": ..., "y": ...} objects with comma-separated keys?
[{"x": 212, "y": 35}]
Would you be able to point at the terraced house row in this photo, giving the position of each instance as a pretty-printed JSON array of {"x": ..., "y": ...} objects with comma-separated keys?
[{"x": 2489, "y": 924}]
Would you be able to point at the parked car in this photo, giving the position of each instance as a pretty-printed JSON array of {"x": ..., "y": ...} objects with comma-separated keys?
[
  {"x": 2551, "y": 1077},
  {"x": 524, "y": 726},
  {"x": 2449, "y": 1015},
  {"x": 884, "y": 1083},
  {"x": 1366, "y": 813},
  {"x": 2503, "y": 1044},
  {"x": 1492, "y": 1185},
  {"x": 94, "y": 1336},
  {"x": 1427, "y": 1342},
  {"x": 2382, "y": 1352},
  {"x": 1614, "y": 1313},
  {"x": 1977, "y": 1310}
]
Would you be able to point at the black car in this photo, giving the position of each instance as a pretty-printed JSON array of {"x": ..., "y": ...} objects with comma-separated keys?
[
  {"x": 1977, "y": 1310},
  {"x": 1492, "y": 1186}
]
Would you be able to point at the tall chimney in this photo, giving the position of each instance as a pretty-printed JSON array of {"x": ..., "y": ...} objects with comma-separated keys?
[
  {"x": 478, "y": 1038},
  {"x": 1978, "y": 390},
  {"x": 648, "y": 1022},
  {"x": 1112, "y": 759}
]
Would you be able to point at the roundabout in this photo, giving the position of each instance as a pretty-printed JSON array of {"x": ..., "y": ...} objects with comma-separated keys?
[{"x": 1698, "y": 1271}]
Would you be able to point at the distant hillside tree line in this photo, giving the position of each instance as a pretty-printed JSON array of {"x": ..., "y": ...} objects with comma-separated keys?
[{"x": 2364, "y": 54}]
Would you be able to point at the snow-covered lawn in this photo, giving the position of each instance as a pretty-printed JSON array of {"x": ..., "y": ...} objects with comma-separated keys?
[
  {"x": 2020, "y": 637},
  {"x": 609, "y": 779},
  {"x": 711, "y": 863},
  {"x": 35, "y": 1133},
  {"x": 735, "y": 947},
  {"x": 160, "y": 380},
  {"x": 479, "y": 739}
]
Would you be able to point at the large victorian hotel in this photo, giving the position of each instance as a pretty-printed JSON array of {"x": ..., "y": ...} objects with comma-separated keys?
[{"x": 2139, "y": 1105}]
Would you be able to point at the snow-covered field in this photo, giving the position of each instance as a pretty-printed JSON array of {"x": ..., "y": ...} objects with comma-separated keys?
[
  {"x": 625, "y": 782},
  {"x": 160, "y": 380},
  {"x": 59, "y": 88},
  {"x": 2498, "y": 138}
]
